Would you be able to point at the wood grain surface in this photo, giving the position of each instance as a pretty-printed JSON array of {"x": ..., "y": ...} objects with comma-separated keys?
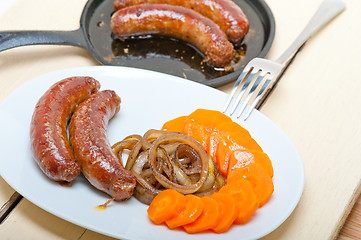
[
  {"x": 315, "y": 104},
  {"x": 351, "y": 230}
]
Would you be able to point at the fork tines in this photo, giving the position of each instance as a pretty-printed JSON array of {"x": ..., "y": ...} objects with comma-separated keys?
[{"x": 250, "y": 86}]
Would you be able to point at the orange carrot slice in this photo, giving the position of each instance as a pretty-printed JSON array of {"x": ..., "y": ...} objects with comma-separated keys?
[
  {"x": 193, "y": 209},
  {"x": 260, "y": 180},
  {"x": 200, "y": 123},
  {"x": 248, "y": 159},
  {"x": 166, "y": 205},
  {"x": 174, "y": 125},
  {"x": 228, "y": 211},
  {"x": 246, "y": 199},
  {"x": 222, "y": 131},
  {"x": 230, "y": 144},
  {"x": 208, "y": 219},
  {"x": 223, "y": 157}
]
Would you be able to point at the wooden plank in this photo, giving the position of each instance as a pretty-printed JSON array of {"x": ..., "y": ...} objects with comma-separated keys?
[
  {"x": 312, "y": 104},
  {"x": 313, "y": 100},
  {"x": 5, "y": 191},
  {"x": 351, "y": 230},
  {"x": 309, "y": 104},
  {"x": 5, "y": 195},
  {"x": 7, "y": 208},
  {"x": 28, "y": 221}
]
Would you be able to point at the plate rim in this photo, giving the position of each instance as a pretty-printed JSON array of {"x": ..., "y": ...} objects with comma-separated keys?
[{"x": 297, "y": 197}]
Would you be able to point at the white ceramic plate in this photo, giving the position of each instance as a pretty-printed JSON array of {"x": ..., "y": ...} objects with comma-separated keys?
[{"x": 148, "y": 100}]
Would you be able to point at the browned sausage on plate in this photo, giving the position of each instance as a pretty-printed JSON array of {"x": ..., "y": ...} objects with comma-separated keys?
[
  {"x": 48, "y": 129},
  {"x": 91, "y": 147},
  {"x": 228, "y": 15},
  {"x": 177, "y": 22}
]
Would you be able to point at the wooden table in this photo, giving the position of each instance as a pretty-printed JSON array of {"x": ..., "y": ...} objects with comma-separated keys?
[{"x": 316, "y": 104}]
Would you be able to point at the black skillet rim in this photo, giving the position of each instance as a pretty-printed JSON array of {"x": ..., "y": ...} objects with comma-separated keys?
[{"x": 260, "y": 7}]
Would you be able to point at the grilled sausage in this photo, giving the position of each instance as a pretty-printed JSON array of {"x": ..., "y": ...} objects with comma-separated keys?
[
  {"x": 91, "y": 147},
  {"x": 228, "y": 15},
  {"x": 177, "y": 22},
  {"x": 48, "y": 129}
]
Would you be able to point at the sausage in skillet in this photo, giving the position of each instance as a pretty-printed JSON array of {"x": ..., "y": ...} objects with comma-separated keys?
[
  {"x": 228, "y": 15},
  {"x": 177, "y": 22},
  {"x": 91, "y": 147},
  {"x": 48, "y": 129}
]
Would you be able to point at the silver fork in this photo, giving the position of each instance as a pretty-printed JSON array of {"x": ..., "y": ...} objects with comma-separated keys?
[{"x": 260, "y": 74}]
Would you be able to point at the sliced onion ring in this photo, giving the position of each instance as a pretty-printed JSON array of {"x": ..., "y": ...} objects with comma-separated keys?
[
  {"x": 178, "y": 137},
  {"x": 161, "y": 159}
]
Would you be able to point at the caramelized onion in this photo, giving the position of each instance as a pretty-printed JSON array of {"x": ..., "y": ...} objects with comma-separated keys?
[
  {"x": 178, "y": 137},
  {"x": 127, "y": 143},
  {"x": 162, "y": 159}
]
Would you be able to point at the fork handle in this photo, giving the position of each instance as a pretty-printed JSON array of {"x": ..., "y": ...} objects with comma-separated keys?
[{"x": 326, "y": 11}]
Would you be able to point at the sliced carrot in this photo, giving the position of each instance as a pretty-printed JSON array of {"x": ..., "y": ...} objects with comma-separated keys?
[
  {"x": 248, "y": 158},
  {"x": 208, "y": 219},
  {"x": 228, "y": 211},
  {"x": 237, "y": 142},
  {"x": 222, "y": 131},
  {"x": 193, "y": 209},
  {"x": 228, "y": 127},
  {"x": 230, "y": 144},
  {"x": 174, "y": 125},
  {"x": 200, "y": 123},
  {"x": 223, "y": 157},
  {"x": 246, "y": 199},
  {"x": 260, "y": 180},
  {"x": 166, "y": 205}
]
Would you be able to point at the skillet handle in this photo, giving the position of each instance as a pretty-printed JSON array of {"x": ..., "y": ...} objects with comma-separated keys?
[{"x": 12, "y": 39}]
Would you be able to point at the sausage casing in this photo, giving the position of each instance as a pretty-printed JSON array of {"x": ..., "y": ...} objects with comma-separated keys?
[
  {"x": 91, "y": 147},
  {"x": 48, "y": 129},
  {"x": 177, "y": 22},
  {"x": 228, "y": 15}
]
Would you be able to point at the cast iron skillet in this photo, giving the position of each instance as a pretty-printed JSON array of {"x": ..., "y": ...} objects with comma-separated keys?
[{"x": 160, "y": 54}]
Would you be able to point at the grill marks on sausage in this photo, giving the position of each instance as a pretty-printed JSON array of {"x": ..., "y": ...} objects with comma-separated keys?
[
  {"x": 91, "y": 147},
  {"x": 48, "y": 128},
  {"x": 177, "y": 22}
]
